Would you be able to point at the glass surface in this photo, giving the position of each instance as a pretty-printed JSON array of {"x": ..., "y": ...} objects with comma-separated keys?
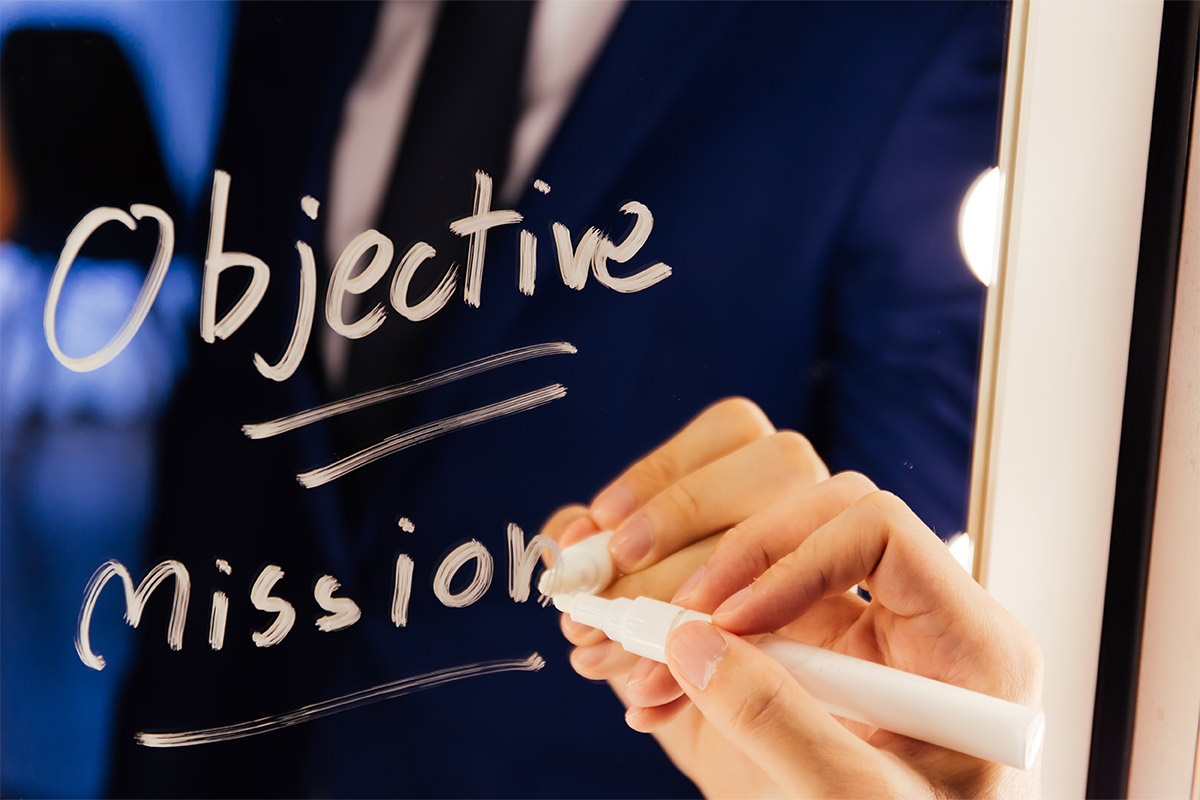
[{"x": 675, "y": 204}]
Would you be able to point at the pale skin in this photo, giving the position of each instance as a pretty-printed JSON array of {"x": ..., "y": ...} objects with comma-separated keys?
[{"x": 745, "y": 523}]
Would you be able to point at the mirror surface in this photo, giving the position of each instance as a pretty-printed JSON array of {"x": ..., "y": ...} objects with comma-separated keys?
[{"x": 654, "y": 207}]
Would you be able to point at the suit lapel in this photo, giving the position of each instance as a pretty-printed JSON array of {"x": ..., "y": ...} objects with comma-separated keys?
[
  {"x": 650, "y": 57},
  {"x": 647, "y": 61}
]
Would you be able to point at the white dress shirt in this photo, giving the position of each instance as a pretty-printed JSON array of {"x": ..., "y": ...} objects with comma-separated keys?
[{"x": 565, "y": 38}]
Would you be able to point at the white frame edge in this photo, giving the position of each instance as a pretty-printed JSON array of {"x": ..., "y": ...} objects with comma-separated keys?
[{"x": 1050, "y": 424}]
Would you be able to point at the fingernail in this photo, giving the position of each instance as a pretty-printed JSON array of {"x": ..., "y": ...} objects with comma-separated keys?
[
  {"x": 640, "y": 672},
  {"x": 578, "y": 530},
  {"x": 689, "y": 585},
  {"x": 732, "y": 603},
  {"x": 613, "y": 505},
  {"x": 696, "y": 648},
  {"x": 591, "y": 656},
  {"x": 632, "y": 542},
  {"x": 571, "y": 628}
]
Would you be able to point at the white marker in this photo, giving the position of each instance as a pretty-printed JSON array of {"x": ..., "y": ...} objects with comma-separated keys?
[
  {"x": 586, "y": 568},
  {"x": 935, "y": 712}
]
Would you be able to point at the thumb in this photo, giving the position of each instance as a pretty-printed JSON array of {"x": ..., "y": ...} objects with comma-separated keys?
[{"x": 762, "y": 711}]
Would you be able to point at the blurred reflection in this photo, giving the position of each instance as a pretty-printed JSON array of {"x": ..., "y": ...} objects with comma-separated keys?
[
  {"x": 77, "y": 451},
  {"x": 804, "y": 163}
]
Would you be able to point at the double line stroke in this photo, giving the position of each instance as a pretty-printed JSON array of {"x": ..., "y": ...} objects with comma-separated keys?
[{"x": 423, "y": 433}]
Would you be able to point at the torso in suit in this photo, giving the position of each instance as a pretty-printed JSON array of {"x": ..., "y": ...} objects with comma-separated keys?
[{"x": 804, "y": 165}]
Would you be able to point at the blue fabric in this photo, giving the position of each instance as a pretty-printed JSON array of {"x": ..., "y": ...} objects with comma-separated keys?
[
  {"x": 804, "y": 165},
  {"x": 78, "y": 451},
  {"x": 77, "y": 486}
]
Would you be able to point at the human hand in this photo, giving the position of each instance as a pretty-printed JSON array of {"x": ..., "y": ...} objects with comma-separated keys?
[
  {"x": 668, "y": 510},
  {"x": 792, "y": 569}
]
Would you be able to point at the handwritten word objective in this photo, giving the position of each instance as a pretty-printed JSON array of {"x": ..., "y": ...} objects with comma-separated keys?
[{"x": 591, "y": 255}]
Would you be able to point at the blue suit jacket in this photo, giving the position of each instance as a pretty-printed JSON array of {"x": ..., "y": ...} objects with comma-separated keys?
[{"x": 804, "y": 165}]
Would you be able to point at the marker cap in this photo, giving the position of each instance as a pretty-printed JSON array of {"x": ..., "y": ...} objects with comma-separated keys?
[{"x": 586, "y": 567}]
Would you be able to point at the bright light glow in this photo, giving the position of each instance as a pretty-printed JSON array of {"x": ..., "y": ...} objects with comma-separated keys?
[
  {"x": 963, "y": 550},
  {"x": 977, "y": 225}
]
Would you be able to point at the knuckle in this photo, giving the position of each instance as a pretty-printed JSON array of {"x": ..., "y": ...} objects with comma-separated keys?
[
  {"x": 743, "y": 416},
  {"x": 797, "y": 451},
  {"x": 750, "y": 548},
  {"x": 891, "y": 515},
  {"x": 809, "y": 578},
  {"x": 755, "y": 710},
  {"x": 885, "y": 504},
  {"x": 655, "y": 470},
  {"x": 678, "y": 503},
  {"x": 1020, "y": 665},
  {"x": 856, "y": 483},
  {"x": 879, "y": 511}
]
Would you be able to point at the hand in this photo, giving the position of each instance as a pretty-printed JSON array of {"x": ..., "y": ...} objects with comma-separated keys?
[
  {"x": 793, "y": 568},
  {"x": 668, "y": 510}
]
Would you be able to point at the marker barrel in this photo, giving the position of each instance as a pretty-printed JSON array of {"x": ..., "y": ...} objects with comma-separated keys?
[{"x": 921, "y": 708}]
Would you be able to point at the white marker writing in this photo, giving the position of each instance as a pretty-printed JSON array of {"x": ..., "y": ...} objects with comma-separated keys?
[
  {"x": 316, "y": 711},
  {"x": 469, "y": 551},
  {"x": 220, "y": 611},
  {"x": 216, "y": 620},
  {"x": 418, "y": 254},
  {"x": 527, "y": 252},
  {"x": 575, "y": 262},
  {"x": 260, "y": 596},
  {"x": 135, "y": 601},
  {"x": 217, "y": 261},
  {"x": 296, "y": 346},
  {"x": 402, "y": 586},
  {"x": 402, "y": 590},
  {"x": 262, "y": 430},
  {"x": 592, "y": 254},
  {"x": 626, "y": 250},
  {"x": 345, "y": 611},
  {"x": 429, "y": 431},
  {"x": 342, "y": 283},
  {"x": 476, "y": 226},
  {"x": 145, "y": 299},
  {"x": 309, "y": 205},
  {"x": 523, "y": 559}
]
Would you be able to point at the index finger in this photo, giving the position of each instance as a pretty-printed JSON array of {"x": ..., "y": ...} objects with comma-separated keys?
[
  {"x": 878, "y": 538},
  {"x": 558, "y": 525},
  {"x": 720, "y": 429},
  {"x": 751, "y": 547}
]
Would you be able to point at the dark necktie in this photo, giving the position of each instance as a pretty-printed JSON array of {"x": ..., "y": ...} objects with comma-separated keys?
[{"x": 461, "y": 120}]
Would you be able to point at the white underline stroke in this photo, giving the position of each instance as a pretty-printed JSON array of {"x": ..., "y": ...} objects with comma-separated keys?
[
  {"x": 264, "y": 430},
  {"x": 387, "y": 691},
  {"x": 428, "y": 431}
]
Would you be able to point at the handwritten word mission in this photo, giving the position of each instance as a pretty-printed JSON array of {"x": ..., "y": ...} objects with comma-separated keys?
[
  {"x": 591, "y": 255},
  {"x": 343, "y": 611}
]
